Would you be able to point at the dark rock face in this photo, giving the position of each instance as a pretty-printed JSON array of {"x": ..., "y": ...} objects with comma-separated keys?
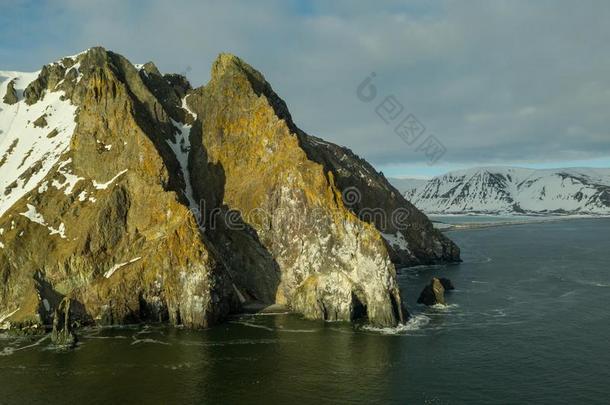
[
  {"x": 11, "y": 95},
  {"x": 41, "y": 121},
  {"x": 432, "y": 294},
  {"x": 63, "y": 334},
  {"x": 377, "y": 202}
]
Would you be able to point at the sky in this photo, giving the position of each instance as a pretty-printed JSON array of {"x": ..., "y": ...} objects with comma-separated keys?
[{"x": 480, "y": 82}]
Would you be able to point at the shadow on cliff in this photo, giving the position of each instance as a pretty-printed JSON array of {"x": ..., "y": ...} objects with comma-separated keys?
[
  {"x": 50, "y": 300},
  {"x": 253, "y": 269}
]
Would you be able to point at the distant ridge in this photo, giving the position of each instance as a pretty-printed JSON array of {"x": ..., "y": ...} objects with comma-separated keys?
[{"x": 513, "y": 190}]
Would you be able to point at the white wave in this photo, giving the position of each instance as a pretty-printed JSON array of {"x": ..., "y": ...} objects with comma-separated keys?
[
  {"x": 297, "y": 330},
  {"x": 492, "y": 313},
  {"x": 444, "y": 307},
  {"x": 592, "y": 283},
  {"x": 179, "y": 366},
  {"x": 478, "y": 260},
  {"x": 232, "y": 342},
  {"x": 279, "y": 329},
  {"x": 567, "y": 294},
  {"x": 104, "y": 337},
  {"x": 271, "y": 313},
  {"x": 414, "y": 323},
  {"x": 498, "y": 313},
  {"x": 138, "y": 341},
  {"x": 252, "y": 325},
  {"x": 7, "y": 351}
]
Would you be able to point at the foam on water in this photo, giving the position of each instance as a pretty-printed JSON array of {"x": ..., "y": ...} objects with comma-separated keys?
[
  {"x": 105, "y": 337},
  {"x": 444, "y": 307},
  {"x": 505, "y": 339},
  {"x": 155, "y": 341},
  {"x": 592, "y": 283},
  {"x": 569, "y": 293},
  {"x": 416, "y": 322},
  {"x": 280, "y": 329},
  {"x": 252, "y": 325},
  {"x": 234, "y": 342},
  {"x": 297, "y": 330},
  {"x": 7, "y": 351}
]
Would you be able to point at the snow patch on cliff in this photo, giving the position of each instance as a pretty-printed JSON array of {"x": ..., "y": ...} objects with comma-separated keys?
[
  {"x": 27, "y": 154},
  {"x": 181, "y": 146},
  {"x": 33, "y": 215},
  {"x": 70, "y": 179},
  {"x": 104, "y": 186},
  {"x": 117, "y": 266}
]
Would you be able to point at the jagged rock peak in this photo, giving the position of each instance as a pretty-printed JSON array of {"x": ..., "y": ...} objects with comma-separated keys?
[
  {"x": 433, "y": 293},
  {"x": 234, "y": 72},
  {"x": 227, "y": 62},
  {"x": 151, "y": 69}
]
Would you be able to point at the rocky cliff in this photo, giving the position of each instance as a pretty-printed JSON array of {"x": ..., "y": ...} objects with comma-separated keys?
[{"x": 139, "y": 198}]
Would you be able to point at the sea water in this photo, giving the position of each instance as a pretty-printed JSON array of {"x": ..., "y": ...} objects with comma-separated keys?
[{"x": 529, "y": 322}]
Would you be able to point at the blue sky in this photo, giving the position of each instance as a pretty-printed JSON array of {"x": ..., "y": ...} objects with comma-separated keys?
[{"x": 495, "y": 82}]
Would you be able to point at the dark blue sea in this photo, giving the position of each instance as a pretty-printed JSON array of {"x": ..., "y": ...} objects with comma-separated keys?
[{"x": 529, "y": 322}]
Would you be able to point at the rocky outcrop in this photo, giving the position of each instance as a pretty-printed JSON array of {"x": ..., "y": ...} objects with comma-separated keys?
[
  {"x": 433, "y": 293},
  {"x": 10, "y": 97},
  {"x": 41, "y": 121},
  {"x": 319, "y": 257},
  {"x": 158, "y": 202},
  {"x": 63, "y": 333}
]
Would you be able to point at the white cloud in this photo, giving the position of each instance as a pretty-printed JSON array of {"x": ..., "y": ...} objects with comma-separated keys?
[{"x": 494, "y": 81}]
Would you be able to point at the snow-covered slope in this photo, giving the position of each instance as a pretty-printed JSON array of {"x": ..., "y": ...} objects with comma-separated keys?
[
  {"x": 32, "y": 137},
  {"x": 505, "y": 190}
]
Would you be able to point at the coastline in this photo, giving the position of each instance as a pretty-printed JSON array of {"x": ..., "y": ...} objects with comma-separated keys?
[{"x": 503, "y": 221}]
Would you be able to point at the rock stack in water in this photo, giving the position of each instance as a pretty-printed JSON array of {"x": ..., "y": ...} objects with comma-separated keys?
[
  {"x": 434, "y": 293},
  {"x": 144, "y": 199},
  {"x": 62, "y": 333}
]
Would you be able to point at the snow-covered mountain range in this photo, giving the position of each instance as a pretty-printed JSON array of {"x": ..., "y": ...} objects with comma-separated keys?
[{"x": 512, "y": 190}]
